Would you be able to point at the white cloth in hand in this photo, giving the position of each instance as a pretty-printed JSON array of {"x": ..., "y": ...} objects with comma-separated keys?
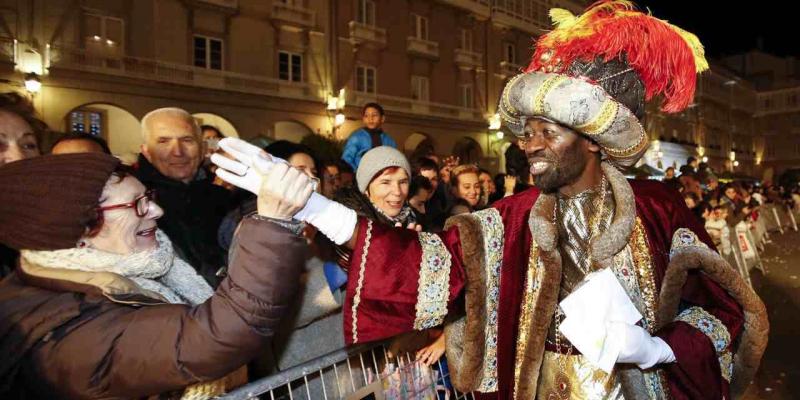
[
  {"x": 600, "y": 299},
  {"x": 639, "y": 347},
  {"x": 334, "y": 220}
]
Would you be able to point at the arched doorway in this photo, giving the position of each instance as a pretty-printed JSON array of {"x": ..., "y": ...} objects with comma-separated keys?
[
  {"x": 418, "y": 145},
  {"x": 224, "y": 126},
  {"x": 468, "y": 151},
  {"x": 292, "y": 131},
  {"x": 117, "y": 126}
]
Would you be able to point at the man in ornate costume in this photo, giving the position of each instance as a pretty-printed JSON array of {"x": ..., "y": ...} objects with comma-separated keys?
[{"x": 495, "y": 277}]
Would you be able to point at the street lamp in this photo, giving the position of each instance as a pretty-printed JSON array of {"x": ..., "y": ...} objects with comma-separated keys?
[
  {"x": 32, "y": 83},
  {"x": 335, "y": 110},
  {"x": 338, "y": 120},
  {"x": 494, "y": 122}
]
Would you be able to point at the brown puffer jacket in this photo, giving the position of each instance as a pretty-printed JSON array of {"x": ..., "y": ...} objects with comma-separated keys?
[{"x": 86, "y": 338}]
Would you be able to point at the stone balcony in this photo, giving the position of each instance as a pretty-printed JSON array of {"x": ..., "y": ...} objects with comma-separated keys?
[
  {"x": 468, "y": 59},
  {"x": 367, "y": 34},
  {"x": 423, "y": 48},
  {"x": 293, "y": 15}
]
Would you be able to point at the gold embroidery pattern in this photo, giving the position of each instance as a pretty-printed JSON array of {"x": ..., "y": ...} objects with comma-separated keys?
[
  {"x": 434, "y": 282},
  {"x": 635, "y": 148},
  {"x": 602, "y": 121},
  {"x": 574, "y": 377},
  {"x": 526, "y": 313},
  {"x": 361, "y": 270},
  {"x": 492, "y": 226},
  {"x": 715, "y": 330},
  {"x": 506, "y": 101},
  {"x": 544, "y": 90},
  {"x": 644, "y": 273},
  {"x": 726, "y": 365}
]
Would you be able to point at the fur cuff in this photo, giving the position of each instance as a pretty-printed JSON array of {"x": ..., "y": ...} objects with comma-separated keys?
[{"x": 689, "y": 253}]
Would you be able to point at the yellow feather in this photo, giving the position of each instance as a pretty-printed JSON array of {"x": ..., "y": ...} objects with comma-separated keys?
[
  {"x": 562, "y": 18},
  {"x": 700, "y": 62}
]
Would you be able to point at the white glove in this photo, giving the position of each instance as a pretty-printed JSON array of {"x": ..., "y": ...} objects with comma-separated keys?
[
  {"x": 331, "y": 218},
  {"x": 638, "y": 347}
]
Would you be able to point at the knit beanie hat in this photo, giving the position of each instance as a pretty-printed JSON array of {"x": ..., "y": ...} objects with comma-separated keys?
[
  {"x": 46, "y": 201},
  {"x": 375, "y": 161}
]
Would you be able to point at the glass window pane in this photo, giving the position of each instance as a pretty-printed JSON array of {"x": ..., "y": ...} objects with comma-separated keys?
[
  {"x": 199, "y": 51},
  {"x": 92, "y": 25},
  {"x": 360, "y": 79},
  {"x": 369, "y": 12},
  {"x": 215, "y": 54},
  {"x": 114, "y": 30},
  {"x": 76, "y": 121},
  {"x": 283, "y": 66},
  {"x": 95, "y": 123},
  {"x": 371, "y": 80},
  {"x": 297, "y": 68}
]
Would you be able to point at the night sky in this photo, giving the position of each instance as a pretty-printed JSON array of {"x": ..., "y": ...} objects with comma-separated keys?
[{"x": 731, "y": 27}]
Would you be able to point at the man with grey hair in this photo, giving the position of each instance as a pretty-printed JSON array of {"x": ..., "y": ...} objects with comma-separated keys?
[{"x": 170, "y": 163}]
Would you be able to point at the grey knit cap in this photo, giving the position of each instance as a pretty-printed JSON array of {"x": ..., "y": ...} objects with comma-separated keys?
[{"x": 375, "y": 161}]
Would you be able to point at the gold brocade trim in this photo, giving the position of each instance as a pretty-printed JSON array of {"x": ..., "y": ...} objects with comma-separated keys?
[
  {"x": 712, "y": 327},
  {"x": 361, "y": 270},
  {"x": 635, "y": 148},
  {"x": 644, "y": 273},
  {"x": 526, "y": 314},
  {"x": 434, "y": 282},
  {"x": 726, "y": 365},
  {"x": 602, "y": 121},
  {"x": 506, "y": 102},
  {"x": 572, "y": 376},
  {"x": 492, "y": 228},
  {"x": 716, "y": 331},
  {"x": 543, "y": 91}
]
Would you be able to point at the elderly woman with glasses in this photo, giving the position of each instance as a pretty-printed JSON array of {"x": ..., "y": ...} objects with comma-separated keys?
[{"x": 100, "y": 306}]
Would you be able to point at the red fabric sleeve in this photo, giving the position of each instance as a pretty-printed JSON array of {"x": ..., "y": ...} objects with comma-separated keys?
[
  {"x": 696, "y": 372},
  {"x": 385, "y": 294}
]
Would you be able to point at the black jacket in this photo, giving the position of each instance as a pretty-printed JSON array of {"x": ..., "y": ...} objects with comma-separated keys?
[{"x": 192, "y": 215}]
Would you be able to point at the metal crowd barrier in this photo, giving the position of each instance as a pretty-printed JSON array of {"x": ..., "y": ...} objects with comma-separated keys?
[{"x": 336, "y": 375}]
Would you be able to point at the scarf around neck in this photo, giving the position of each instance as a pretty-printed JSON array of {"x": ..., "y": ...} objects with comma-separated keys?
[{"x": 158, "y": 270}]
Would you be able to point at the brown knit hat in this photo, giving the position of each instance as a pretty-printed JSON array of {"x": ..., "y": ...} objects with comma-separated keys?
[{"x": 46, "y": 201}]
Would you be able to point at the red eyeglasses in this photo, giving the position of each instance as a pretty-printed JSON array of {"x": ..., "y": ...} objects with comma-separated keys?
[{"x": 140, "y": 204}]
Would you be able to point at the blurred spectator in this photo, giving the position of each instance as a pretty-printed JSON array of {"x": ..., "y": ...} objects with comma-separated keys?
[
  {"x": 297, "y": 155},
  {"x": 436, "y": 205},
  {"x": 22, "y": 130},
  {"x": 487, "y": 187},
  {"x": 419, "y": 191},
  {"x": 690, "y": 184},
  {"x": 20, "y": 135},
  {"x": 691, "y": 200},
  {"x": 718, "y": 229},
  {"x": 371, "y": 135},
  {"x": 347, "y": 176},
  {"x": 211, "y": 137},
  {"x": 690, "y": 167},
  {"x": 80, "y": 142},
  {"x": 193, "y": 205},
  {"x": 465, "y": 188},
  {"x": 331, "y": 179}
]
